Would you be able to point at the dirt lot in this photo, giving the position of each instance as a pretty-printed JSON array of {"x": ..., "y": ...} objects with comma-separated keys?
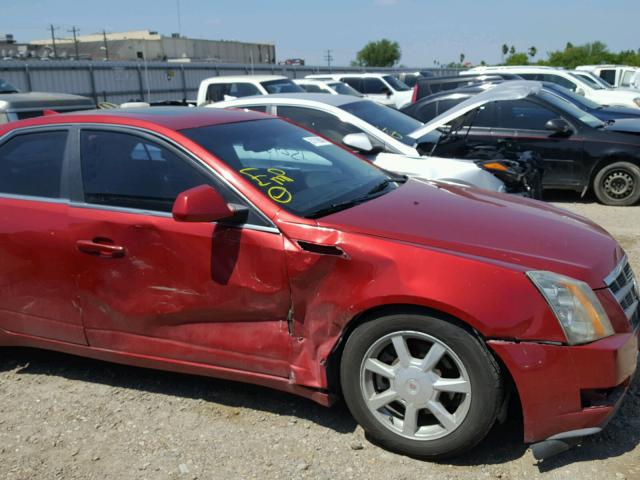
[{"x": 65, "y": 417}]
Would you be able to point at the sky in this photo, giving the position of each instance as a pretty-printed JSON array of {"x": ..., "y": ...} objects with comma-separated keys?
[{"x": 428, "y": 31}]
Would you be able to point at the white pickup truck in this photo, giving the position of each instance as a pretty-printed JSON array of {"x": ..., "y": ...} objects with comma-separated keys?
[
  {"x": 220, "y": 89},
  {"x": 616, "y": 75}
]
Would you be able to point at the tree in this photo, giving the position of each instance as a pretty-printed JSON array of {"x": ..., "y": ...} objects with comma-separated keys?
[
  {"x": 505, "y": 49},
  {"x": 519, "y": 58},
  {"x": 383, "y": 53},
  {"x": 462, "y": 58},
  {"x": 532, "y": 52},
  {"x": 512, "y": 50}
]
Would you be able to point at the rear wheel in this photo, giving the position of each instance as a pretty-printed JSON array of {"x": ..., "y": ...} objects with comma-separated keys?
[
  {"x": 419, "y": 385},
  {"x": 618, "y": 184}
]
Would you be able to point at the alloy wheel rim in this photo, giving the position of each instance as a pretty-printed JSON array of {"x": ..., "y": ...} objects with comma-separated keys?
[
  {"x": 415, "y": 385},
  {"x": 618, "y": 184}
]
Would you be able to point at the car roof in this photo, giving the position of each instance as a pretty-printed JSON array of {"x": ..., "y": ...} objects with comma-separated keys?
[
  {"x": 244, "y": 78},
  {"x": 34, "y": 100},
  {"x": 326, "y": 98},
  {"x": 172, "y": 118}
]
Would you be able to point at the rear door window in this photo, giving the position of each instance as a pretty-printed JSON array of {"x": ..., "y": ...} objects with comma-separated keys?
[
  {"x": 524, "y": 115},
  {"x": 608, "y": 75},
  {"x": 374, "y": 86},
  {"x": 216, "y": 92},
  {"x": 31, "y": 164},
  {"x": 354, "y": 83}
]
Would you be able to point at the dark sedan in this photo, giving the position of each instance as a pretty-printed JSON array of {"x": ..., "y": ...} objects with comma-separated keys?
[{"x": 580, "y": 151}]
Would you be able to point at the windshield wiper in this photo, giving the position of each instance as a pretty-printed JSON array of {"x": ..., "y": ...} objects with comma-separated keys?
[{"x": 373, "y": 193}]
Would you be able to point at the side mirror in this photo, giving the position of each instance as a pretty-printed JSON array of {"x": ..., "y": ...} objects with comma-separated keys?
[
  {"x": 386, "y": 91},
  {"x": 558, "y": 125},
  {"x": 201, "y": 204},
  {"x": 361, "y": 142}
]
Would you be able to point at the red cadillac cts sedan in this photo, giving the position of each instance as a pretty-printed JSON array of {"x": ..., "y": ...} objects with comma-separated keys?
[{"x": 240, "y": 246}]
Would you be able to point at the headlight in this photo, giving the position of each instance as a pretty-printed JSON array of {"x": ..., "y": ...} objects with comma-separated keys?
[
  {"x": 637, "y": 101},
  {"x": 576, "y": 307}
]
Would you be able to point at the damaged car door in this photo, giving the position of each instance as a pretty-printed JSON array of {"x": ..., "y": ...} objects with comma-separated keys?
[{"x": 205, "y": 292}]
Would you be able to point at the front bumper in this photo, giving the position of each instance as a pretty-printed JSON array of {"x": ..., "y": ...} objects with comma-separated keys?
[{"x": 569, "y": 391}]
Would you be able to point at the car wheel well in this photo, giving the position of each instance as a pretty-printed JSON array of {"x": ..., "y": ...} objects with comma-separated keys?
[{"x": 332, "y": 364}]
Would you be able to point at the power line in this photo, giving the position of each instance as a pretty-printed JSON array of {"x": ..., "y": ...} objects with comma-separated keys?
[
  {"x": 329, "y": 58},
  {"x": 53, "y": 40},
  {"x": 75, "y": 30}
]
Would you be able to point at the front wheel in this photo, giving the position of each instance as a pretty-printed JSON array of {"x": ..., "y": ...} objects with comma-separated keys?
[
  {"x": 618, "y": 184},
  {"x": 419, "y": 385}
]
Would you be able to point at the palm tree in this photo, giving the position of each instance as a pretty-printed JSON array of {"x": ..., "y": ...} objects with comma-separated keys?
[
  {"x": 461, "y": 58},
  {"x": 532, "y": 52},
  {"x": 505, "y": 50},
  {"x": 512, "y": 50}
]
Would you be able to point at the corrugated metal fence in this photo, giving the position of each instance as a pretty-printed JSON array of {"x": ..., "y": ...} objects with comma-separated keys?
[{"x": 152, "y": 81}]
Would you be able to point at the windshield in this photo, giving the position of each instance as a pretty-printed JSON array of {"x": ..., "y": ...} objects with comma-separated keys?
[
  {"x": 396, "y": 84},
  {"x": 344, "y": 89},
  {"x": 568, "y": 107},
  {"x": 572, "y": 97},
  {"x": 392, "y": 122},
  {"x": 6, "y": 87},
  {"x": 303, "y": 173},
  {"x": 591, "y": 81},
  {"x": 281, "y": 86}
]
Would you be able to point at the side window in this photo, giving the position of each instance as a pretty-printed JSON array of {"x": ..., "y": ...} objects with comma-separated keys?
[
  {"x": 608, "y": 75},
  {"x": 354, "y": 83},
  {"x": 31, "y": 164},
  {"x": 523, "y": 114},
  {"x": 123, "y": 170},
  {"x": 243, "y": 90},
  {"x": 217, "y": 91},
  {"x": 311, "y": 88},
  {"x": 427, "y": 112},
  {"x": 373, "y": 86},
  {"x": 563, "y": 82},
  {"x": 483, "y": 117},
  {"x": 444, "y": 105},
  {"x": 626, "y": 78},
  {"x": 531, "y": 76},
  {"x": 324, "y": 123}
]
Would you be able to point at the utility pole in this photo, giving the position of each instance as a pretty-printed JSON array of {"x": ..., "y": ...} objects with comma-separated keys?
[
  {"x": 53, "y": 40},
  {"x": 75, "y": 30},
  {"x": 329, "y": 58},
  {"x": 106, "y": 46}
]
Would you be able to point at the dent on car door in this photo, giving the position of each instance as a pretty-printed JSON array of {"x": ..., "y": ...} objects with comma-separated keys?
[
  {"x": 200, "y": 292},
  {"x": 37, "y": 289}
]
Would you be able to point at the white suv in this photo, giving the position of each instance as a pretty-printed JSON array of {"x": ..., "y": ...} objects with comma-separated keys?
[
  {"x": 616, "y": 75},
  {"x": 383, "y": 88},
  {"x": 570, "y": 80},
  {"x": 219, "y": 89}
]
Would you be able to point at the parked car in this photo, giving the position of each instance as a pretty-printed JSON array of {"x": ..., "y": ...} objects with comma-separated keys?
[
  {"x": 381, "y": 134},
  {"x": 571, "y": 81},
  {"x": 615, "y": 75},
  {"x": 620, "y": 119},
  {"x": 383, "y": 88},
  {"x": 579, "y": 151},
  {"x": 333, "y": 87},
  {"x": 17, "y": 106},
  {"x": 236, "y": 245},
  {"x": 430, "y": 85},
  {"x": 216, "y": 89}
]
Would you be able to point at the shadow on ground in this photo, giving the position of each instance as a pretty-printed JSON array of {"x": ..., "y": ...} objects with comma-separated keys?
[
  {"x": 567, "y": 196},
  {"x": 503, "y": 443}
]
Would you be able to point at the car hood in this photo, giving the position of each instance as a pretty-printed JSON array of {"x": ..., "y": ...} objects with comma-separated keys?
[
  {"x": 626, "y": 125},
  {"x": 498, "y": 228},
  {"x": 512, "y": 90}
]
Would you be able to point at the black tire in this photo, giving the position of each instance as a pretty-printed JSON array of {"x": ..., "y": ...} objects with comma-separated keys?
[
  {"x": 486, "y": 390},
  {"x": 618, "y": 184}
]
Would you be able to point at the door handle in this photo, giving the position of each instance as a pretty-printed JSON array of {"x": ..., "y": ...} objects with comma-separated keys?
[{"x": 100, "y": 247}]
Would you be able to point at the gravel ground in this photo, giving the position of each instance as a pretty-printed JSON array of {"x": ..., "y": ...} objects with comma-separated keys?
[{"x": 71, "y": 418}]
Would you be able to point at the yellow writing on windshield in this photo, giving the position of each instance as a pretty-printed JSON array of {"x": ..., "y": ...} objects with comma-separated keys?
[{"x": 278, "y": 192}]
